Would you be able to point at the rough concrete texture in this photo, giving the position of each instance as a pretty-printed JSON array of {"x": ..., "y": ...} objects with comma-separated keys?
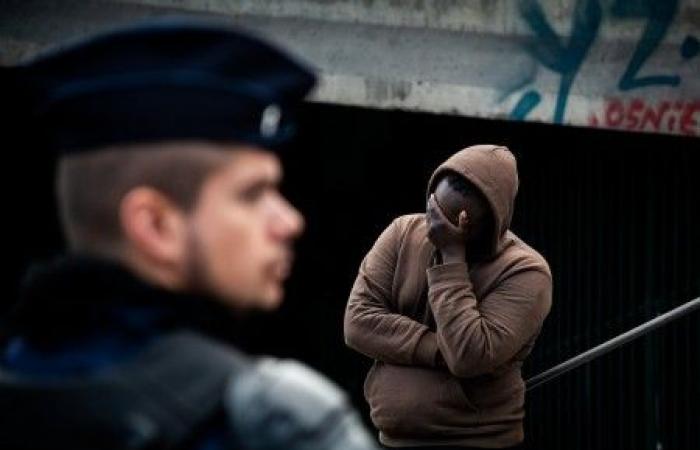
[{"x": 627, "y": 64}]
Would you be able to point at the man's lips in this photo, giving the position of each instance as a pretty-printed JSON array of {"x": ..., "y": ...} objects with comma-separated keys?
[{"x": 282, "y": 268}]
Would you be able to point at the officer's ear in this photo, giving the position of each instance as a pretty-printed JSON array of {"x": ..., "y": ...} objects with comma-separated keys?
[{"x": 153, "y": 226}]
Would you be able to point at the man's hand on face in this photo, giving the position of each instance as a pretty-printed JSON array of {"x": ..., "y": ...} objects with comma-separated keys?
[{"x": 448, "y": 238}]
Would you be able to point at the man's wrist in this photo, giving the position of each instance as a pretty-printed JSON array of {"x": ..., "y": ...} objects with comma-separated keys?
[{"x": 452, "y": 255}]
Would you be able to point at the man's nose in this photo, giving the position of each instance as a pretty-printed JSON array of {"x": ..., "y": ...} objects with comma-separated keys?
[{"x": 289, "y": 223}]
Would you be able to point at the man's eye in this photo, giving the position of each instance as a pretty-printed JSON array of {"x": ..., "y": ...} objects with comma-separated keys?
[{"x": 252, "y": 194}]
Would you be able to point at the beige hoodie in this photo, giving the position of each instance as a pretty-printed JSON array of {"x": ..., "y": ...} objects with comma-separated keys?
[{"x": 448, "y": 340}]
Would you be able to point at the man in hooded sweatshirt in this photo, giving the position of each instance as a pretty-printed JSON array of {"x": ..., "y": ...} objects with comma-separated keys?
[{"x": 449, "y": 304}]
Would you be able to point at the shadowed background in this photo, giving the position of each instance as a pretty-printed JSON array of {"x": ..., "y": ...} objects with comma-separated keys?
[{"x": 616, "y": 215}]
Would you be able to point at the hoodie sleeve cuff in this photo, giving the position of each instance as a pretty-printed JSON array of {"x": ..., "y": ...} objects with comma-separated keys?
[
  {"x": 452, "y": 273},
  {"x": 427, "y": 350}
]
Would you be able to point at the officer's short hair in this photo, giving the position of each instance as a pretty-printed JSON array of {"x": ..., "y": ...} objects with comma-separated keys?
[{"x": 91, "y": 186}]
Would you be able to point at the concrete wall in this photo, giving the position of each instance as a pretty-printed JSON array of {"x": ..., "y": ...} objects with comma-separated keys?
[{"x": 628, "y": 64}]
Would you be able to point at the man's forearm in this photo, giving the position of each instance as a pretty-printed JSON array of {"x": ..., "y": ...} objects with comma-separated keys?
[
  {"x": 476, "y": 337},
  {"x": 389, "y": 337}
]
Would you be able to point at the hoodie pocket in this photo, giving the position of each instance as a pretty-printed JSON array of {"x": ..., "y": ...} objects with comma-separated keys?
[
  {"x": 459, "y": 393},
  {"x": 503, "y": 395}
]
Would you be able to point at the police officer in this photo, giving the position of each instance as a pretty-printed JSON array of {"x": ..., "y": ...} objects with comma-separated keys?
[{"x": 167, "y": 188}]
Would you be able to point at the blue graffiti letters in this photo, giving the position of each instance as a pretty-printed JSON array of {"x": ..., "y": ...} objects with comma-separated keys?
[
  {"x": 547, "y": 48},
  {"x": 660, "y": 14}
]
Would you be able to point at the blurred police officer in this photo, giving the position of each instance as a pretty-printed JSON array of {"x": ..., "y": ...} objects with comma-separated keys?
[{"x": 168, "y": 196}]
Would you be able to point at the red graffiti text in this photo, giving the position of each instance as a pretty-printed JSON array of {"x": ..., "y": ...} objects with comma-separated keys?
[{"x": 678, "y": 117}]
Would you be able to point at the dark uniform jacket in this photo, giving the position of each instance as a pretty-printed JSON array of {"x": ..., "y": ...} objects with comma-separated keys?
[{"x": 92, "y": 357}]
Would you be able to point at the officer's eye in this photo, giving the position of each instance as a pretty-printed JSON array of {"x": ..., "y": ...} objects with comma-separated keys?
[{"x": 254, "y": 192}]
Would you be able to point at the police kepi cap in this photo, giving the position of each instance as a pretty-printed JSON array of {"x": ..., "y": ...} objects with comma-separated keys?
[{"x": 162, "y": 80}]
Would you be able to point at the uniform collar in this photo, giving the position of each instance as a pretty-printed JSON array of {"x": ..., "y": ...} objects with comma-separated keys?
[{"x": 77, "y": 295}]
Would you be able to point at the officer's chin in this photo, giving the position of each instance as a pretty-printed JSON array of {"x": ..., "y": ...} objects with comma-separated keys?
[
  {"x": 264, "y": 298},
  {"x": 271, "y": 298}
]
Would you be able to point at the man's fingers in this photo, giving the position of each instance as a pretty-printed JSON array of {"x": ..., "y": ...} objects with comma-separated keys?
[
  {"x": 463, "y": 220},
  {"x": 435, "y": 210},
  {"x": 439, "y": 219}
]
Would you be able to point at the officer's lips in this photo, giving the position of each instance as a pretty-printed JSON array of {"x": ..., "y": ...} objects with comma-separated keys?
[{"x": 282, "y": 268}]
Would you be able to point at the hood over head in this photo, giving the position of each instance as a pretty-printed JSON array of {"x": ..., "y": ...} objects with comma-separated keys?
[{"x": 493, "y": 170}]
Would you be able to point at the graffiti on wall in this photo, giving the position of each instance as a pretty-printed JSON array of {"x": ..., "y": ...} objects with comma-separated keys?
[
  {"x": 626, "y": 108},
  {"x": 636, "y": 114}
]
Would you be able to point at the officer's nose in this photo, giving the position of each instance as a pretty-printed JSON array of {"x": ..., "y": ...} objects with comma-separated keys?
[{"x": 289, "y": 222}]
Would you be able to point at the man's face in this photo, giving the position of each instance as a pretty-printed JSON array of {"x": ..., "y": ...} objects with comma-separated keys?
[
  {"x": 241, "y": 232},
  {"x": 452, "y": 202}
]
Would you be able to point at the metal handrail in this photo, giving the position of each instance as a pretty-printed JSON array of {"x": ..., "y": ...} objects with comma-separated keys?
[{"x": 612, "y": 344}]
